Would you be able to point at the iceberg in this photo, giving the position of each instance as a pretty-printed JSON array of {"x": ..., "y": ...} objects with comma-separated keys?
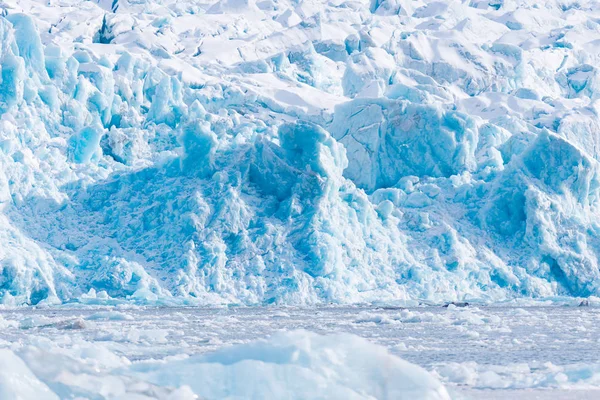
[
  {"x": 18, "y": 382},
  {"x": 298, "y": 365}
]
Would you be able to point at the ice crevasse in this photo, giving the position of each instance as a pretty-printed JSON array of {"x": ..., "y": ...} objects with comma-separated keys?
[{"x": 124, "y": 175}]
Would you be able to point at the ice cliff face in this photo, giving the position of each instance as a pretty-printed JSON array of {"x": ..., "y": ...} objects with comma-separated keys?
[{"x": 298, "y": 151}]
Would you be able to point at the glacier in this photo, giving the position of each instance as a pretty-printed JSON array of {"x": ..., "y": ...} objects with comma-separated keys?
[{"x": 298, "y": 151}]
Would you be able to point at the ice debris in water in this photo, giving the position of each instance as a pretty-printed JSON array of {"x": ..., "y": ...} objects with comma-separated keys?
[
  {"x": 292, "y": 365},
  {"x": 298, "y": 152}
]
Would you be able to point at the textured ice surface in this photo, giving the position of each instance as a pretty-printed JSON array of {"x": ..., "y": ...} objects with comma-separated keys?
[
  {"x": 298, "y": 152},
  {"x": 524, "y": 351},
  {"x": 292, "y": 365},
  {"x": 299, "y": 365},
  {"x": 18, "y": 382}
]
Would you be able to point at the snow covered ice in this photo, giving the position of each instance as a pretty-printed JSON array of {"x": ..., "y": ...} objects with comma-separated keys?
[
  {"x": 524, "y": 351},
  {"x": 289, "y": 365},
  {"x": 294, "y": 153}
]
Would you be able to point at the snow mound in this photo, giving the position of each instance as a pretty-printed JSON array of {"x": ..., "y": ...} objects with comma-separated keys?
[{"x": 298, "y": 365}]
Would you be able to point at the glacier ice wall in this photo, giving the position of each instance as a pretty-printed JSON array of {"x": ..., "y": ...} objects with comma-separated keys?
[{"x": 298, "y": 152}]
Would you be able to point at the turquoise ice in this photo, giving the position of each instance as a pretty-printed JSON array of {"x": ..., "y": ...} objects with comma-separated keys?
[{"x": 242, "y": 152}]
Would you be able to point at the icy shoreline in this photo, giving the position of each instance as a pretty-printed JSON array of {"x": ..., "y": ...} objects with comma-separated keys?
[{"x": 475, "y": 352}]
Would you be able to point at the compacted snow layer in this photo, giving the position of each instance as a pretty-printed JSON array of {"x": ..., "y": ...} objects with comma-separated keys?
[
  {"x": 126, "y": 352},
  {"x": 298, "y": 152}
]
